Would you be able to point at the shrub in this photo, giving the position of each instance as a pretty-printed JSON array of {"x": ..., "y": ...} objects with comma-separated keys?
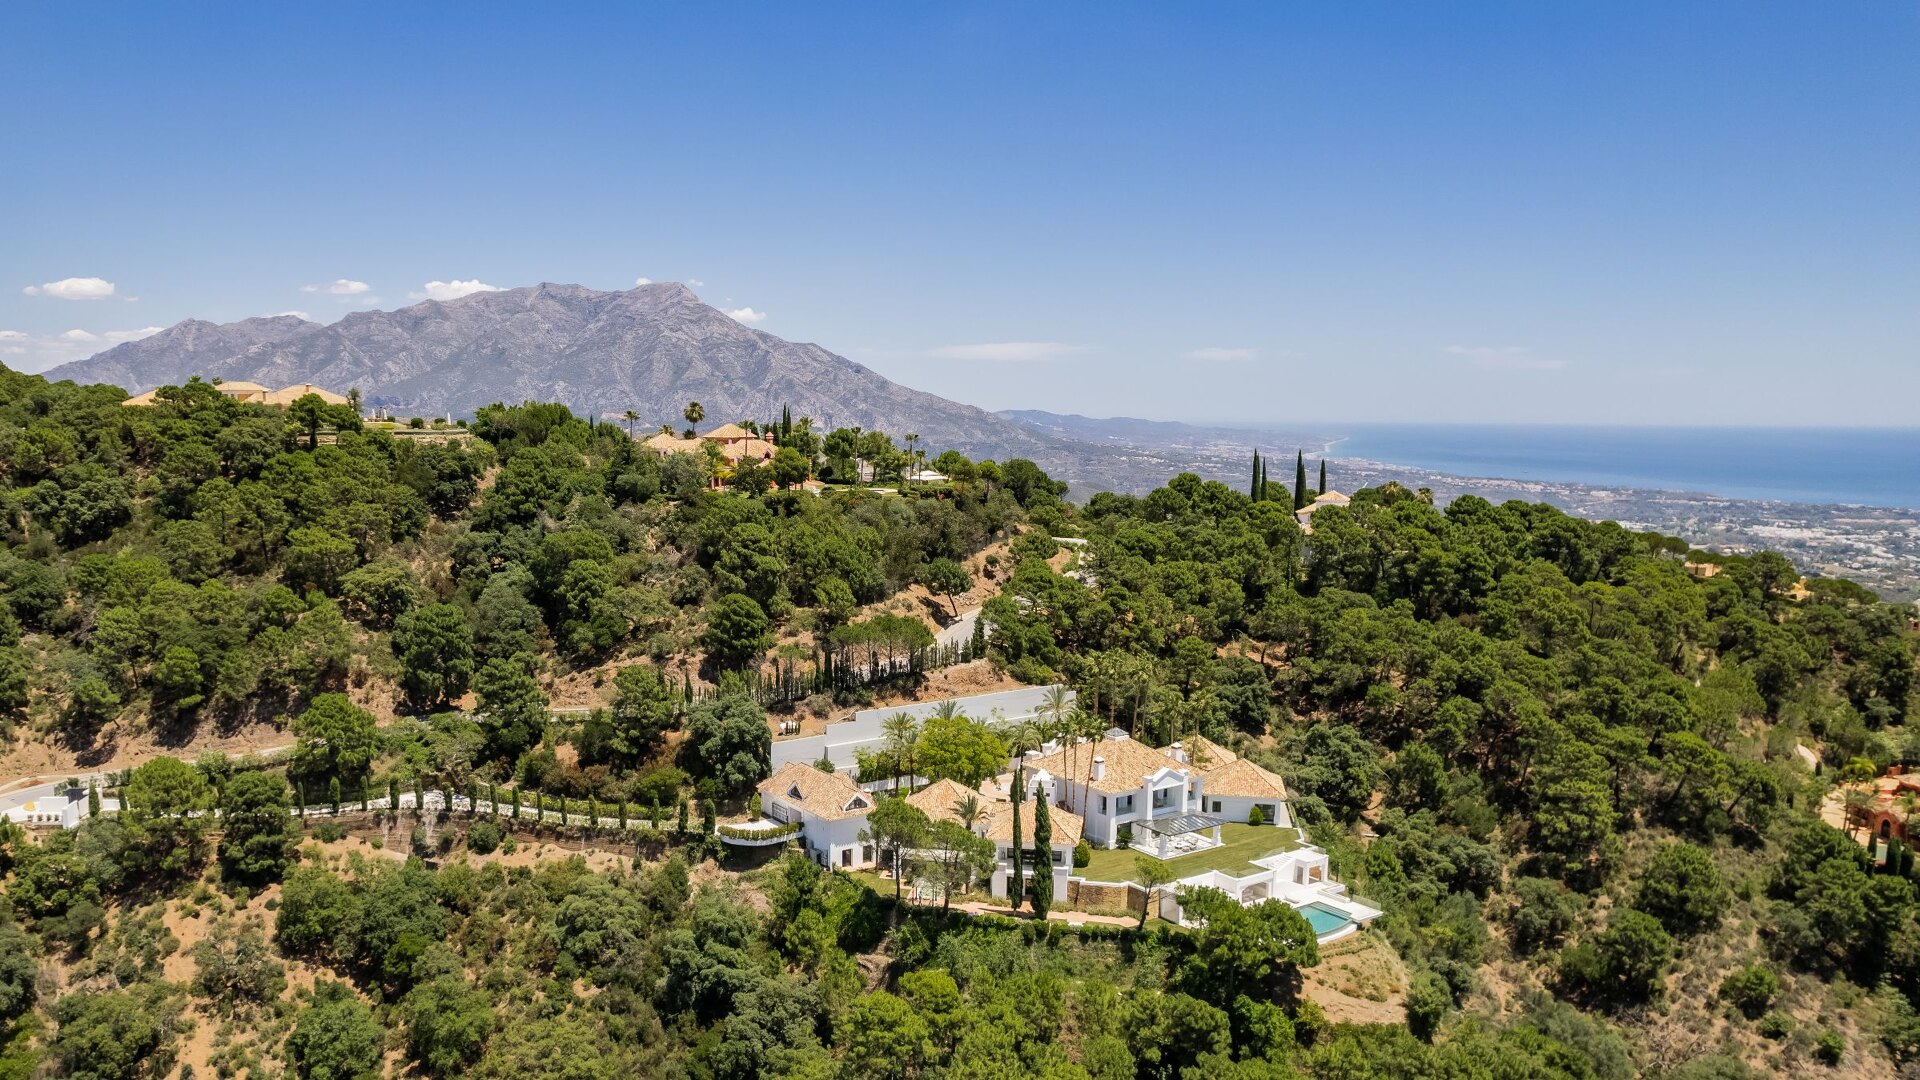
[
  {"x": 1751, "y": 989},
  {"x": 1776, "y": 1025},
  {"x": 1830, "y": 1047},
  {"x": 1082, "y": 854},
  {"x": 1255, "y": 817},
  {"x": 328, "y": 832},
  {"x": 483, "y": 838},
  {"x": 1124, "y": 838}
]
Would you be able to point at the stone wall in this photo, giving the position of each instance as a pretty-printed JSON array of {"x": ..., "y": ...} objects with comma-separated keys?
[{"x": 1096, "y": 894}]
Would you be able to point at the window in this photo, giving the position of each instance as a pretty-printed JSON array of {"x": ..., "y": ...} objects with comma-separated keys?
[
  {"x": 846, "y": 857},
  {"x": 1057, "y": 859},
  {"x": 1103, "y": 804},
  {"x": 1216, "y": 806}
]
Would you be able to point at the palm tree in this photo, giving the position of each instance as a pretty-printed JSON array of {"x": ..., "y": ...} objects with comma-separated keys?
[
  {"x": 1857, "y": 800},
  {"x": 900, "y": 731},
  {"x": 911, "y": 440},
  {"x": 630, "y": 416},
  {"x": 947, "y": 710},
  {"x": 1089, "y": 726},
  {"x": 969, "y": 810},
  {"x": 694, "y": 412},
  {"x": 1054, "y": 707}
]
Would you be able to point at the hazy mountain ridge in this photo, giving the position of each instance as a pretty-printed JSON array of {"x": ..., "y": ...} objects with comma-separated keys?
[
  {"x": 650, "y": 349},
  {"x": 187, "y": 348}
]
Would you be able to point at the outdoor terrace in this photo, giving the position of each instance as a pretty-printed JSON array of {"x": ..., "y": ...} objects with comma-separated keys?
[{"x": 1240, "y": 845}]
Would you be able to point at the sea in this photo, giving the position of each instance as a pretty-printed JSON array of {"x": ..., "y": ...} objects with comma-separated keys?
[{"x": 1865, "y": 466}]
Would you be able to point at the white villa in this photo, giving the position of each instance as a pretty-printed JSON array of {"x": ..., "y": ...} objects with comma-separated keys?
[
  {"x": 1167, "y": 799},
  {"x": 830, "y": 809},
  {"x": 1304, "y": 515},
  {"x": 1171, "y": 801}
]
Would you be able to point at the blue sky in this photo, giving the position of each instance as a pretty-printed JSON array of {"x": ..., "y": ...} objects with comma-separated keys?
[{"x": 1607, "y": 212}]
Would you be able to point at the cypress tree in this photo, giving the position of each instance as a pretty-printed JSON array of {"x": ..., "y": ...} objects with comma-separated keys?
[
  {"x": 93, "y": 799},
  {"x": 653, "y": 814},
  {"x": 333, "y": 794},
  {"x": 516, "y": 804},
  {"x": 1323, "y": 476},
  {"x": 979, "y": 637},
  {"x": 1016, "y": 890},
  {"x": 1253, "y": 487},
  {"x": 682, "y": 829},
  {"x": 623, "y": 815},
  {"x": 1042, "y": 859},
  {"x": 1299, "y": 479},
  {"x": 393, "y": 795}
]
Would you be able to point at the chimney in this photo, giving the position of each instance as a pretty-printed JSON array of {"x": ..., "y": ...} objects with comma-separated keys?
[
  {"x": 1099, "y": 768},
  {"x": 1179, "y": 753}
]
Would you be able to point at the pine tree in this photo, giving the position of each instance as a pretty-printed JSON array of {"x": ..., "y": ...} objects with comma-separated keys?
[
  {"x": 1299, "y": 479},
  {"x": 1323, "y": 476}
]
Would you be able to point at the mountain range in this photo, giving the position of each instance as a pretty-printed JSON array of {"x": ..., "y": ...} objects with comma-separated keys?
[{"x": 651, "y": 349}]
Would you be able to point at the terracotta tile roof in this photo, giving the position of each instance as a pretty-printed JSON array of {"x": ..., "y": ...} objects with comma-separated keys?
[
  {"x": 749, "y": 448},
  {"x": 1128, "y": 764},
  {"x": 825, "y": 795},
  {"x": 287, "y": 395},
  {"x": 670, "y": 444},
  {"x": 1207, "y": 754},
  {"x": 240, "y": 386},
  {"x": 728, "y": 431},
  {"x": 1241, "y": 778},
  {"x": 940, "y": 801}
]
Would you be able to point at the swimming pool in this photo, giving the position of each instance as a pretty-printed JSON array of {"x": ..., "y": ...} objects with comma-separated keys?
[{"x": 1323, "y": 919}]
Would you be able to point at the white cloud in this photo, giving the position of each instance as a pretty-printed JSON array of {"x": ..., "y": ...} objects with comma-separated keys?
[
  {"x": 341, "y": 287},
  {"x": 38, "y": 352},
  {"x": 747, "y": 315},
  {"x": 452, "y": 290},
  {"x": 1218, "y": 353},
  {"x": 73, "y": 288},
  {"x": 639, "y": 281},
  {"x": 696, "y": 283},
  {"x": 1008, "y": 351},
  {"x": 1505, "y": 357},
  {"x": 295, "y": 314}
]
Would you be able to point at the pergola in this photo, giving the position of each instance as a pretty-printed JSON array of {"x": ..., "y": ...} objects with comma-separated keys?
[{"x": 1181, "y": 834}]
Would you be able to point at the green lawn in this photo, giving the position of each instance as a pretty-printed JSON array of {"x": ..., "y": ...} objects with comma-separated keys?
[{"x": 1244, "y": 843}]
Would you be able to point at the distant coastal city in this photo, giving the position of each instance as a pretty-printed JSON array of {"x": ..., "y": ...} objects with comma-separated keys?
[{"x": 1877, "y": 545}]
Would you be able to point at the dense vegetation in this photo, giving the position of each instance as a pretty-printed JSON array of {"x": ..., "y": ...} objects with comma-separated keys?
[{"x": 1559, "y": 754}]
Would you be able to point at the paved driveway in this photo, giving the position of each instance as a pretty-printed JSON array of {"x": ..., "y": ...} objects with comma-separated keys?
[{"x": 866, "y": 728}]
